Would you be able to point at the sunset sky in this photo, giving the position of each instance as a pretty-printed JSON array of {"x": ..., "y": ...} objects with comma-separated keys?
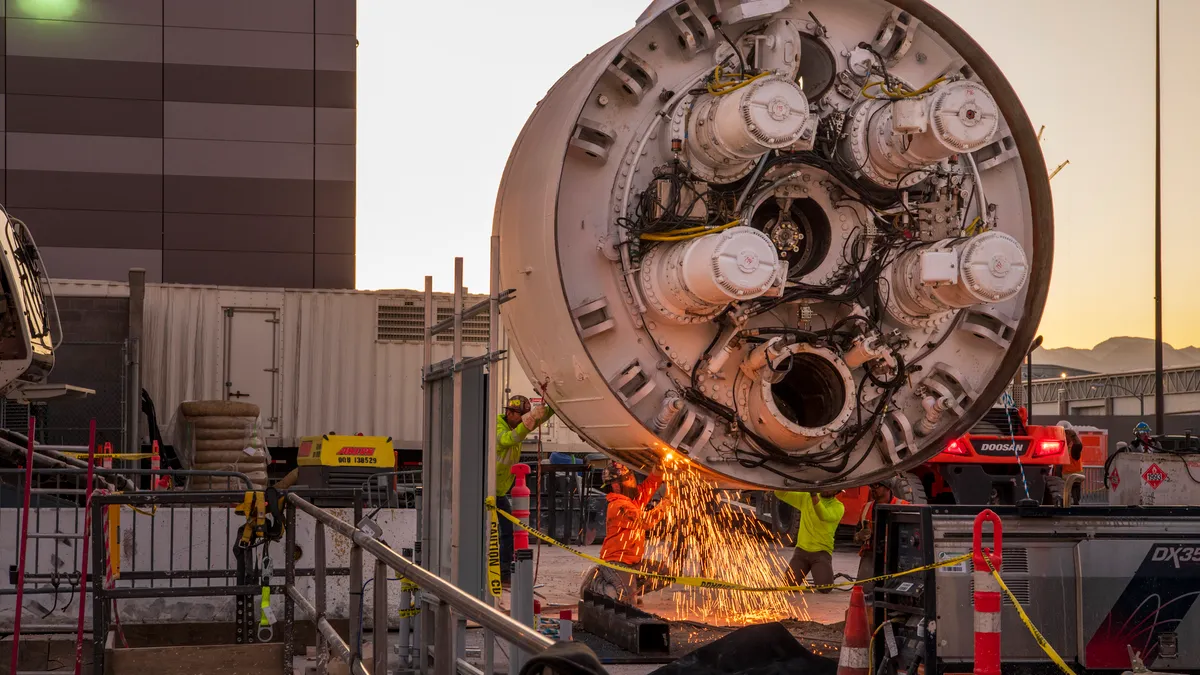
[{"x": 432, "y": 143}]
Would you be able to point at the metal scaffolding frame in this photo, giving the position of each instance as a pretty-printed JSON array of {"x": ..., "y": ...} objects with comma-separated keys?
[{"x": 453, "y": 526}]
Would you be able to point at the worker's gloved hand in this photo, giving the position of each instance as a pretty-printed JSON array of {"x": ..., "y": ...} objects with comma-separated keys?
[
  {"x": 541, "y": 413},
  {"x": 862, "y": 536},
  {"x": 529, "y": 420}
]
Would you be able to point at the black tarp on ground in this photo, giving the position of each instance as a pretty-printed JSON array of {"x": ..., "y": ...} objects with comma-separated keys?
[{"x": 766, "y": 649}]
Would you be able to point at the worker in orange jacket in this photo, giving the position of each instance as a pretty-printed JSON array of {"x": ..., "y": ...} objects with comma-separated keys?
[
  {"x": 1075, "y": 453},
  {"x": 881, "y": 493},
  {"x": 627, "y": 519}
]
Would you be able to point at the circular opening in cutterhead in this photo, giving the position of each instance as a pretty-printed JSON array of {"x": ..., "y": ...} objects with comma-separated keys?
[
  {"x": 812, "y": 394},
  {"x": 801, "y": 235},
  {"x": 817, "y": 67}
]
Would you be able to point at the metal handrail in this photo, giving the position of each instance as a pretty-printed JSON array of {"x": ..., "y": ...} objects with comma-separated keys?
[
  {"x": 78, "y": 471},
  {"x": 467, "y": 605}
]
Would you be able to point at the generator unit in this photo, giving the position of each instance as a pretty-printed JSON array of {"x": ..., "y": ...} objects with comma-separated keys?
[
  {"x": 1095, "y": 581},
  {"x": 334, "y": 461}
]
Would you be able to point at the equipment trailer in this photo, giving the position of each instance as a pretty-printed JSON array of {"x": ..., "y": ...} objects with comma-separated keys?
[{"x": 1094, "y": 580}]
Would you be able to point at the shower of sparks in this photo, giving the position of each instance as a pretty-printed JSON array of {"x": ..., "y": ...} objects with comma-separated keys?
[{"x": 702, "y": 535}]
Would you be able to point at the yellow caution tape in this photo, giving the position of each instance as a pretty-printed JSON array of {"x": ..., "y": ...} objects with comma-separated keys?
[
  {"x": 408, "y": 613},
  {"x": 135, "y": 509},
  {"x": 1037, "y": 635},
  {"x": 493, "y": 556},
  {"x": 701, "y": 582}
]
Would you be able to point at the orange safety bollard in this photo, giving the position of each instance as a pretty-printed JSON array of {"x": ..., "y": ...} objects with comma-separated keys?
[
  {"x": 520, "y": 505},
  {"x": 854, "y": 657},
  {"x": 155, "y": 466},
  {"x": 987, "y": 595}
]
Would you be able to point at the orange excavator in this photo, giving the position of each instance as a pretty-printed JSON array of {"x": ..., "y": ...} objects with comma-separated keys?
[{"x": 1003, "y": 460}]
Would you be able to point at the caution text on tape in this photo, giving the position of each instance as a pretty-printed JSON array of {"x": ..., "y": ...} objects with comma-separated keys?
[{"x": 701, "y": 582}]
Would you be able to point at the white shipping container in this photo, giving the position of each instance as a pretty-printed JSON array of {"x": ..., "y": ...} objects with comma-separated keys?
[{"x": 315, "y": 361}]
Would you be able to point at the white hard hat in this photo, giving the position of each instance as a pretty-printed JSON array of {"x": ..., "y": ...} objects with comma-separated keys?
[{"x": 1065, "y": 424}]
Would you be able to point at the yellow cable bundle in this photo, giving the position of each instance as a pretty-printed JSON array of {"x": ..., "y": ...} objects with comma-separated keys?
[
  {"x": 720, "y": 87},
  {"x": 688, "y": 232},
  {"x": 894, "y": 94}
]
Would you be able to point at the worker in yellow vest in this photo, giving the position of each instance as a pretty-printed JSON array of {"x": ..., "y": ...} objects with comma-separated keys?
[
  {"x": 819, "y": 518},
  {"x": 518, "y": 420}
]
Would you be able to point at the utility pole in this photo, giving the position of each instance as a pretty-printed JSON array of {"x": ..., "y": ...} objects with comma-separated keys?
[
  {"x": 1159, "y": 394},
  {"x": 1037, "y": 342}
]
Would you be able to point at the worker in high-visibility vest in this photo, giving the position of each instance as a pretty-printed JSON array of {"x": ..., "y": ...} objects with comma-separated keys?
[
  {"x": 1075, "y": 452},
  {"x": 881, "y": 493},
  {"x": 820, "y": 514},
  {"x": 518, "y": 420},
  {"x": 629, "y": 516}
]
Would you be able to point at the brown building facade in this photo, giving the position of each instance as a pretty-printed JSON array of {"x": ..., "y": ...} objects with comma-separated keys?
[{"x": 207, "y": 141}]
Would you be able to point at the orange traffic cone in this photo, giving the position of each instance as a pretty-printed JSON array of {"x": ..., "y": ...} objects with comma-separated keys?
[{"x": 853, "y": 658}]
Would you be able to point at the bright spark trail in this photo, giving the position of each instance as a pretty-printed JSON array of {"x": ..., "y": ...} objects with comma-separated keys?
[{"x": 702, "y": 535}]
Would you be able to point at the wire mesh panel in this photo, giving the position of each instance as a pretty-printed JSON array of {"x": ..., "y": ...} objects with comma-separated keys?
[
  {"x": 53, "y": 549},
  {"x": 1093, "y": 490},
  {"x": 391, "y": 490},
  {"x": 95, "y": 365}
]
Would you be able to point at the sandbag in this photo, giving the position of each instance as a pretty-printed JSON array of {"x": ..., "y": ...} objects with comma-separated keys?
[
  {"x": 257, "y": 466},
  {"x": 218, "y": 409},
  {"x": 221, "y": 434},
  {"x": 246, "y": 423},
  {"x": 251, "y": 472},
  {"x": 221, "y": 483},
  {"x": 237, "y": 444},
  {"x": 227, "y": 457}
]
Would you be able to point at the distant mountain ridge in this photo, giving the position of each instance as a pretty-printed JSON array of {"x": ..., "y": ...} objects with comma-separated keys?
[{"x": 1118, "y": 355}]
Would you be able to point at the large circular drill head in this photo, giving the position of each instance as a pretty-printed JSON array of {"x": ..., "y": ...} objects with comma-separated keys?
[{"x": 662, "y": 328}]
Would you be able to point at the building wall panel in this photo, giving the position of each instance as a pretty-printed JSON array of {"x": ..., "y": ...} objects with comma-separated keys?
[
  {"x": 334, "y": 235},
  {"x": 102, "y": 264},
  {"x": 238, "y": 48},
  {"x": 292, "y": 16},
  {"x": 246, "y": 268},
  {"x": 83, "y": 77},
  {"x": 241, "y": 159},
  {"x": 94, "y": 229},
  {"x": 231, "y": 84},
  {"x": 336, "y": 16},
  {"x": 197, "y": 139},
  {"x": 79, "y": 190},
  {"x": 81, "y": 40},
  {"x": 222, "y": 232},
  {"x": 85, "y": 154},
  {"x": 336, "y": 125},
  {"x": 83, "y": 116},
  {"x": 138, "y": 12},
  {"x": 229, "y": 122},
  {"x": 241, "y": 196},
  {"x": 334, "y": 270}
]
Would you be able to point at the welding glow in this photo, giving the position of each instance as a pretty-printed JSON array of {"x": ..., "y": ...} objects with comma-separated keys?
[{"x": 703, "y": 535}]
